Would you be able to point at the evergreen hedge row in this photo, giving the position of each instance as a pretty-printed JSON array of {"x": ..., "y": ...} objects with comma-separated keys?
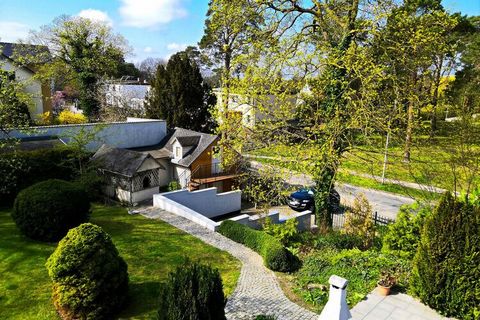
[{"x": 275, "y": 256}]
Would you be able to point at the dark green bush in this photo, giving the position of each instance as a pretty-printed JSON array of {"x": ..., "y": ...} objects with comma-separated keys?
[
  {"x": 274, "y": 254},
  {"x": 446, "y": 273},
  {"x": 265, "y": 317},
  {"x": 337, "y": 240},
  {"x": 193, "y": 291},
  {"x": 403, "y": 236},
  {"x": 91, "y": 183},
  {"x": 174, "y": 185},
  {"x": 48, "y": 209},
  {"x": 35, "y": 166},
  {"x": 90, "y": 279}
]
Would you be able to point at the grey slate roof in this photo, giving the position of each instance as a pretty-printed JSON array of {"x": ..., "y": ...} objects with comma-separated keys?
[
  {"x": 11, "y": 50},
  {"x": 123, "y": 161},
  {"x": 197, "y": 140}
]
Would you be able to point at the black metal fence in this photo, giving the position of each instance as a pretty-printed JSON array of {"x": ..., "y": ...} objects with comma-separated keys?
[{"x": 339, "y": 219}]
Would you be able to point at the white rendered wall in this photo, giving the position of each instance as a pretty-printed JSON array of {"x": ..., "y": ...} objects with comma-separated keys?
[
  {"x": 133, "y": 133},
  {"x": 207, "y": 202},
  {"x": 144, "y": 194}
]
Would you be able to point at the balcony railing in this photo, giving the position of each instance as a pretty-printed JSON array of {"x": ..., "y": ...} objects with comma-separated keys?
[{"x": 212, "y": 170}]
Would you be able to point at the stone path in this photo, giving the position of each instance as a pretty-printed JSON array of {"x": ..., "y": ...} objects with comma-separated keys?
[
  {"x": 397, "y": 306},
  {"x": 257, "y": 291}
]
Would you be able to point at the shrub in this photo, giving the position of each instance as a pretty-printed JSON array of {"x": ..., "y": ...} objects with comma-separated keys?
[
  {"x": 69, "y": 117},
  {"x": 48, "y": 209},
  {"x": 265, "y": 317},
  {"x": 403, "y": 236},
  {"x": 446, "y": 272},
  {"x": 193, "y": 291},
  {"x": 337, "y": 240},
  {"x": 361, "y": 268},
  {"x": 91, "y": 183},
  {"x": 174, "y": 185},
  {"x": 36, "y": 166},
  {"x": 359, "y": 222},
  {"x": 274, "y": 254},
  {"x": 285, "y": 232},
  {"x": 90, "y": 279}
]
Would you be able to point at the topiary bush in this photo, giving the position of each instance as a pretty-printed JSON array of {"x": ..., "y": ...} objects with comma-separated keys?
[
  {"x": 91, "y": 183},
  {"x": 90, "y": 279},
  {"x": 193, "y": 291},
  {"x": 275, "y": 256},
  {"x": 446, "y": 267},
  {"x": 47, "y": 210}
]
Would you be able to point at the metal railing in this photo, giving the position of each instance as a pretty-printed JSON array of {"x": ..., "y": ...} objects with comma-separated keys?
[
  {"x": 338, "y": 220},
  {"x": 212, "y": 170}
]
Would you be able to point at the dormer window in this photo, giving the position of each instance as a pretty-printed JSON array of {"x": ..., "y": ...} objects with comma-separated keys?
[{"x": 178, "y": 152}]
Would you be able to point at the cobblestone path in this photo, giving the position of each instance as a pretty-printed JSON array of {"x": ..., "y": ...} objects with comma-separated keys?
[{"x": 257, "y": 291}]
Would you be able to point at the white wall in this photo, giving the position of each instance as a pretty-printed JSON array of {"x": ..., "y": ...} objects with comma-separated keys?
[
  {"x": 207, "y": 202},
  {"x": 144, "y": 194},
  {"x": 164, "y": 176},
  {"x": 130, "y": 134},
  {"x": 162, "y": 202},
  {"x": 180, "y": 173}
]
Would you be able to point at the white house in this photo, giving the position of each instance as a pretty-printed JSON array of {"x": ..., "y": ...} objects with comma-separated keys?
[
  {"x": 40, "y": 93},
  {"x": 126, "y": 93}
]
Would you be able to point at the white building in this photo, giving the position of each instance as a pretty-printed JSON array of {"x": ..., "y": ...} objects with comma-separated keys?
[
  {"x": 126, "y": 94},
  {"x": 40, "y": 93}
]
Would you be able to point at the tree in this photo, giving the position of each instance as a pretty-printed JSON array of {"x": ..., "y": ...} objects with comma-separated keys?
[
  {"x": 180, "y": 96},
  {"x": 149, "y": 66},
  {"x": 88, "y": 50},
  {"x": 315, "y": 61}
]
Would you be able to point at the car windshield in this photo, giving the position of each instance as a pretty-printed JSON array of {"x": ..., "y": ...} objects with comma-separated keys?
[{"x": 307, "y": 190}]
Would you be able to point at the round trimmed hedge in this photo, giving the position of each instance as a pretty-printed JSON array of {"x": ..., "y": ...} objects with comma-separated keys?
[
  {"x": 90, "y": 279},
  {"x": 47, "y": 210}
]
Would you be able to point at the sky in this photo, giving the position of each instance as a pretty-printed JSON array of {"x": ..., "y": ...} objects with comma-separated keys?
[{"x": 153, "y": 28}]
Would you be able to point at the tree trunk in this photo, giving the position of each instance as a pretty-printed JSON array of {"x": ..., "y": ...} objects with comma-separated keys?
[{"x": 437, "y": 81}]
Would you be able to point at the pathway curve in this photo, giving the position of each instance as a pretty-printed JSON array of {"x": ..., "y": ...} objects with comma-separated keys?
[{"x": 257, "y": 291}]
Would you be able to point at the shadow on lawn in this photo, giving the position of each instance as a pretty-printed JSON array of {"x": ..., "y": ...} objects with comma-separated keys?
[{"x": 142, "y": 299}]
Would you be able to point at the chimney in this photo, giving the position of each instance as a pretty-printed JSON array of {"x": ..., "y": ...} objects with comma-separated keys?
[{"x": 336, "y": 307}]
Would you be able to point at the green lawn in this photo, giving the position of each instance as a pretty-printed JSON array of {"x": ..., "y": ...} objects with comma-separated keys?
[{"x": 151, "y": 249}]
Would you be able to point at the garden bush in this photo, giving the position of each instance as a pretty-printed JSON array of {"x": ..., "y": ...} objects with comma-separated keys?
[
  {"x": 361, "y": 268},
  {"x": 91, "y": 183},
  {"x": 337, "y": 240},
  {"x": 174, "y": 185},
  {"x": 446, "y": 272},
  {"x": 359, "y": 222},
  {"x": 34, "y": 166},
  {"x": 193, "y": 291},
  {"x": 285, "y": 232},
  {"x": 275, "y": 256},
  {"x": 403, "y": 236},
  {"x": 48, "y": 209},
  {"x": 90, "y": 279}
]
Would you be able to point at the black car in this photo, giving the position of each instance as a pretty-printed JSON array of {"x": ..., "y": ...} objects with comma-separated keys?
[{"x": 303, "y": 200}]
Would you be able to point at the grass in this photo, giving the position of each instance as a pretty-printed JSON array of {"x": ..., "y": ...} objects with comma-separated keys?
[{"x": 151, "y": 249}]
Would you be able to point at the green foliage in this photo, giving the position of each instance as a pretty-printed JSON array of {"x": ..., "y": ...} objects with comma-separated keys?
[
  {"x": 193, "y": 291},
  {"x": 359, "y": 222},
  {"x": 91, "y": 183},
  {"x": 35, "y": 166},
  {"x": 265, "y": 317},
  {"x": 285, "y": 232},
  {"x": 403, "y": 236},
  {"x": 446, "y": 273},
  {"x": 362, "y": 269},
  {"x": 274, "y": 254},
  {"x": 174, "y": 185},
  {"x": 47, "y": 210},
  {"x": 180, "y": 96},
  {"x": 336, "y": 240},
  {"x": 90, "y": 279}
]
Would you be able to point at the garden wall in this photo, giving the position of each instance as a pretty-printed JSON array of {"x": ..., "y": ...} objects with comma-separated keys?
[{"x": 133, "y": 133}]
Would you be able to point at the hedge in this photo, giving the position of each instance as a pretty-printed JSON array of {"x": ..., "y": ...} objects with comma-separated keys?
[
  {"x": 90, "y": 279},
  {"x": 274, "y": 254},
  {"x": 47, "y": 210},
  {"x": 193, "y": 291},
  {"x": 35, "y": 166}
]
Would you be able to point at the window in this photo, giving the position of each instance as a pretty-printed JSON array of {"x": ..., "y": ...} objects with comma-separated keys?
[
  {"x": 178, "y": 152},
  {"x": 248, "y": 118},
  {"x": 146, "y": 182}
]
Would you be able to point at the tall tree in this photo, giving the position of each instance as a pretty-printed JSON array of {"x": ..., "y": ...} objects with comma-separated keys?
[
  {"x": 180, "y": 96},
  {"x": 148, "y": 67},
  {"x": 89, "y": 50}
]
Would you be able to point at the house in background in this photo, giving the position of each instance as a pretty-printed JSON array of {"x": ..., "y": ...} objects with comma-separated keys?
[
  {"x": 10, "y": 53},
  {"x": 127, "y": 93}
]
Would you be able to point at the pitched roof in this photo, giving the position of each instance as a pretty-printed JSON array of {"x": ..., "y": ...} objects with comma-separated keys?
[
  {"x": 123, "y": 161},
  {"x": 27, "y": 51},
  {"x": 197, "y": 140}
]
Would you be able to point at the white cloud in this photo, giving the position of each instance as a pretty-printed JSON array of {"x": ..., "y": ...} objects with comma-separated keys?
[
  {"x": 11, "y": 31},
  {"x": 150, "y": 13},
  {"x": 147, "y": 49},
  {"x": 176, "y": 46},
  {"x": 96, "y": 15}
]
